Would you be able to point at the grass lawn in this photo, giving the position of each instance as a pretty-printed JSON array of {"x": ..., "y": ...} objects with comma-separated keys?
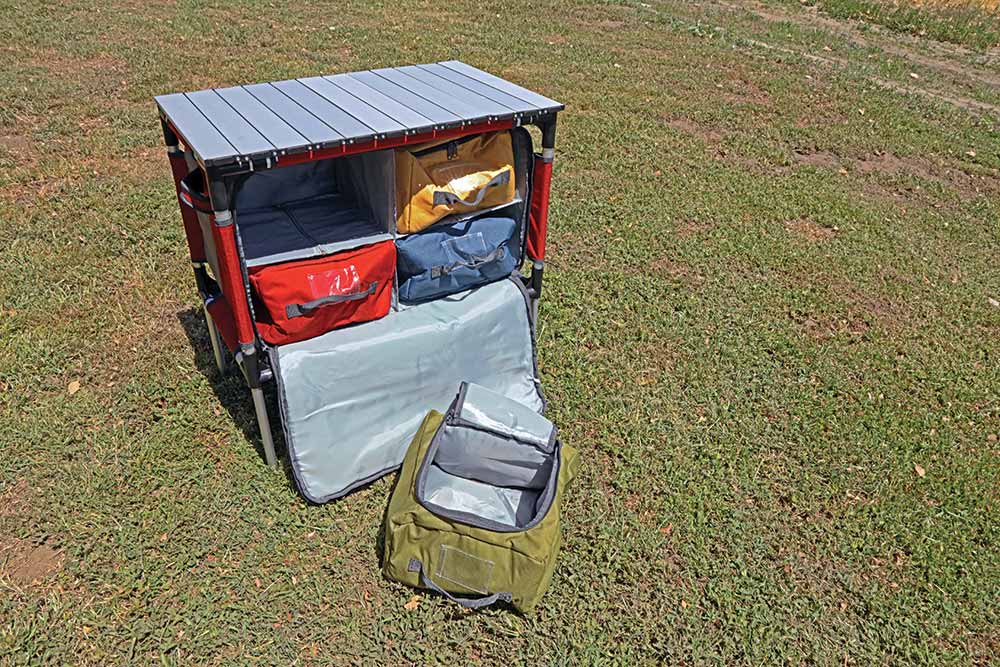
[{"x": 771, "y": 327}]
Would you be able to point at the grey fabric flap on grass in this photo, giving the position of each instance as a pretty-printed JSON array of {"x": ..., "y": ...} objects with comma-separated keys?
[{"x": 352, "y": 399}]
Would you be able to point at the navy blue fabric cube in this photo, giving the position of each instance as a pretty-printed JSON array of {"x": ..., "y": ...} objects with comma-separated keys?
[{"x": 449, "y": 258}]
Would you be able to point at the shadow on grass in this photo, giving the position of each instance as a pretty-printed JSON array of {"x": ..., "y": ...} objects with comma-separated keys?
[{"x": 232, "y": 391}]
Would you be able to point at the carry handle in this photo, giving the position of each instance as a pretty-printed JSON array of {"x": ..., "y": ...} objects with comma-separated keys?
[
  {"x": 193, "y": 191},
  {"x": 475, "y": 263},
  {"x": 294, "y": 310},
  {"x": 443, "y": 198},
  {"x": 469, "y": 603}
]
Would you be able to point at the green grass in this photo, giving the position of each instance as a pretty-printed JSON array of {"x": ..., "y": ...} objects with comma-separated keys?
[
  {"x": 772, "y": 259},
  {"x": 958, "y": 22}
]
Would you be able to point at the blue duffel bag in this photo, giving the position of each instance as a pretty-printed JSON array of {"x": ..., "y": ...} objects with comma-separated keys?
[{"x": 450, "y": 258}]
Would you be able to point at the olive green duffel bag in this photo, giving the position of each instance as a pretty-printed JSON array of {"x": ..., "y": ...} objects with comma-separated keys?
[{"x": 475, "y": 512}]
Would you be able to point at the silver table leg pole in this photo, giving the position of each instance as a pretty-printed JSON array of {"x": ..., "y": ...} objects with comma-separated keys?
[
  {"x": 213, "y": 336},
  {"x": 265, "y": 426},
  {"x": 247, "y": 360}
]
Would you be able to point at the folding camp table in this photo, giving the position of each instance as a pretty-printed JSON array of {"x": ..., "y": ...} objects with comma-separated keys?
[{"x": 228, "y": 133}]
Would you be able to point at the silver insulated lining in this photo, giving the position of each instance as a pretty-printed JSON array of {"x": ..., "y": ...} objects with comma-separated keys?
[
  {"x": 352, "y": 399},
  {"x": 493, "y": 463}
]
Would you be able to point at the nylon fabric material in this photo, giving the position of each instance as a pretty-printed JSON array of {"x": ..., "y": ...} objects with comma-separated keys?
[
  {"x": 484, "y": 408},
  {"x": 523, "y": 560},
  {"x": 463, "y": 168},
  {"x": 316, "y": 208},
  {"x": 286, "y": 184},
  {"x": 311, "y": 227},
  {"x": 286, "y": 291},
  {"x": 511, "y": 507},
  {"x": 449, "y": 245},
  {"x": 538, "y": 214},
  {"x": 352, "y": 399},
  {"x": 491, "y": 459}
]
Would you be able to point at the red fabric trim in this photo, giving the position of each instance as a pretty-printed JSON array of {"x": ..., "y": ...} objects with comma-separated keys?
[
  {"x": 196, "y": 244},
  {"x": 538, "y": 215},
  {"x": 231, "y": 280},
  {"x": 222, "y": 315}
]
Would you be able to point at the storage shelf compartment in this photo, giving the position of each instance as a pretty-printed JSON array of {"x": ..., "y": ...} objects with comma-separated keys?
[
  {"x": 315, "y": 209},
  {"x": 308, "y": 228}
]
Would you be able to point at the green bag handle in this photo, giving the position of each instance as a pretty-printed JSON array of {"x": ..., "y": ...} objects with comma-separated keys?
[
  {"x": 469, "y": 603},
  {"x": 294, "y": 310},
  {"x": 442, "y": 197}
]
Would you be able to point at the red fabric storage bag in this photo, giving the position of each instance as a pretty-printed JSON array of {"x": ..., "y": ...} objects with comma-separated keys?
[{"x": 306, "y": 298}]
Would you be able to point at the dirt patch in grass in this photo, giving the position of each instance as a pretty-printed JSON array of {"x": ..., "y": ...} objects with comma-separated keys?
[
  {"x": 693, "y": 129},
  {"x": 952, "y": 60},
  {"x": 61, "y": 65},
  {"x": 21, "y": 148},
  {"x": 15, "y": 499},
  {"x": 809, "y": 229},
  {"x": 600, "y": 24},
  {"x": 25, "y": 563},
  {"x": 825, "y": 327},
  {"x": 821, "y": 159},
  {"x": 745, "y": 91},
  {"x": 686, "y": 228},
  {"x": 859, "y": 312},
  {"x": 139, "y": 166},
  {"x": 890, "y": 164}
]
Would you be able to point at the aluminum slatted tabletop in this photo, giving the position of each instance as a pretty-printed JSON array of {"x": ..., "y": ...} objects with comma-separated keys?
[{"x": 255, "y": 126}]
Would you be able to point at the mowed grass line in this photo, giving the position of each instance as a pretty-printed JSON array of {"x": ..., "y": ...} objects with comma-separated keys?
[
  {"x": 765, "y": 310},
  {"x": 968, "y": 22}
]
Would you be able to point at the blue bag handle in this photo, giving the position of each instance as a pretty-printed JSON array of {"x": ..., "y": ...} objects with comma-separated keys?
[{"x": 474, "y": 263}]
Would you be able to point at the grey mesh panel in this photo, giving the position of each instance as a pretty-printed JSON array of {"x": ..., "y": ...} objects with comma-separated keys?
[
  {"x": 482, "y": 407},
  {"x": 352, "y": 399},
  {"x": 510, "y": 507}
]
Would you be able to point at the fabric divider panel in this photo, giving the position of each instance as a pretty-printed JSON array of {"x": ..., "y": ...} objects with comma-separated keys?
[
  {"x": 352, "y": 399},
  {"x": 486, "y": 458},
  {"x": 482, "y": 409},
  {"x": 508, "y": 506},
  {"x": 316, "y": 208}
]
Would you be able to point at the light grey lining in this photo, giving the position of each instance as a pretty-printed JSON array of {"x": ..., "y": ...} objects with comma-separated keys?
[
  {"x": 352, "y": 399},
  {"x": 476, "y": 472}
]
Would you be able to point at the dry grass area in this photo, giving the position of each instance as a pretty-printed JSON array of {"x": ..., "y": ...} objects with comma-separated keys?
[{"x": 985, "y": 5}]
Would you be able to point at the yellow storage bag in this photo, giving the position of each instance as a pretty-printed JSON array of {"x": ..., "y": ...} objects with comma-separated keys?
[{"x": 455, "y": 176}]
